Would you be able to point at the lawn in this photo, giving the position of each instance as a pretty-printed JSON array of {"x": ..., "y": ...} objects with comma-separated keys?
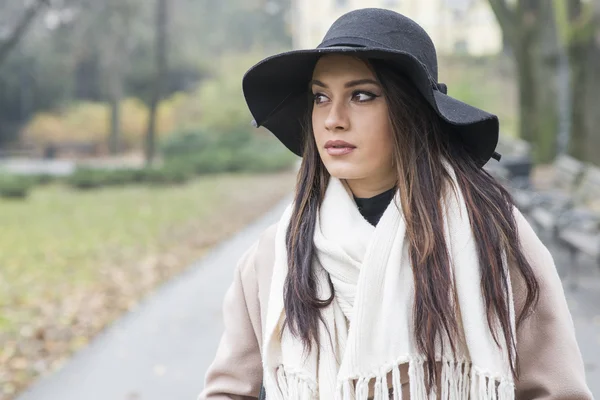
[{"x": 72, "y": 261}]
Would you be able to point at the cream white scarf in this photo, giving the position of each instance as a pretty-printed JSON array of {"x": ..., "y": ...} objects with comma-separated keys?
[{"x": 372, "y": 277}]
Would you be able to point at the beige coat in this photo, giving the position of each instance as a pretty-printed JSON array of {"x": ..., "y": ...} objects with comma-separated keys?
[{"x": 550, "y": 361}]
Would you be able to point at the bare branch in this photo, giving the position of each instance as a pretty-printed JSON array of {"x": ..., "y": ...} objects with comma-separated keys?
[
  {"x": 576, "y": 22},
  {"x": 584, "y": 25},
  {"x": 7, "y": 45}
]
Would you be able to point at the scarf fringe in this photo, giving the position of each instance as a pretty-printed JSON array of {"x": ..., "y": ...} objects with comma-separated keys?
[
  {"x": 484, "y": 376},
  {"x": 459, "y": 381},
  {"x": 295, "y": 386}
]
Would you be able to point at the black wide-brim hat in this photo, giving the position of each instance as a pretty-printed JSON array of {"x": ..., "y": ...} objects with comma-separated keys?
[{"x": 276, "y": 88}]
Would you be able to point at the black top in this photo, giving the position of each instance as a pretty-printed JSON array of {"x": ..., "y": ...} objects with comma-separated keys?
[{"x": 372, "y": 208}]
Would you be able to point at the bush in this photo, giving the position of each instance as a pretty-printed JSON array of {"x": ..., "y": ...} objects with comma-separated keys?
[
  {"x": 125, "y": 176},
  {"x": 172, "y": 173},
  {"x": 264, "y": 156},
  {"x": 135, "y": 175},
  {"x": 90, "y": 122},
  {"x": 15, "y": 187},
  {"x": 214, "y": 161},
  {"x": 85, "y": 178},
  {"x": 233, "y": 151},
  {"x": 89, "y": 178},
  {"x": 185, "y": 144},
  {"x": 235, "y": 139},
  {"x": 250, "y": 159},
  {"x": 43, "y": 179}
]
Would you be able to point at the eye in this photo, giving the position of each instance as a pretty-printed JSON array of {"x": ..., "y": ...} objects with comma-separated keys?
[
  {"x": 363, "y": 96},
  {"x": 319, "y": 98}
]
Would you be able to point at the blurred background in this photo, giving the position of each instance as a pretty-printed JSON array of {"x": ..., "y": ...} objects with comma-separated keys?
[{"x": 127, "y": 155}]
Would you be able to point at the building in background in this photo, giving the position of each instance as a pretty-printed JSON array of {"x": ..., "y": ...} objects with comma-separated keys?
[{"x": 455, "y": 26}]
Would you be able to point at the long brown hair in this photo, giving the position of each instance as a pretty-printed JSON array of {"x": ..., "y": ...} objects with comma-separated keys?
[{"x": 421, "y": 140}]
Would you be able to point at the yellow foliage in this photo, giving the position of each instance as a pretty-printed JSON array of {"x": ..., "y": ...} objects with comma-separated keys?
[
  {"x": 89, "y": 121},
  {"x": 86, "y": 121},
  {"x": 184, "y": 111},
  {"x": 168, "y": 117},
  {"x": 45, "y": 126},
  {"x": 81, "y": 122},
  {"x": 134, "y": 120},
  {"x": 217, "y": 105}
]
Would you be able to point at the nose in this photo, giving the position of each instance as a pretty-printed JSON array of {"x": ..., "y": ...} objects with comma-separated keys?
[{"x": 337, "y": 118}]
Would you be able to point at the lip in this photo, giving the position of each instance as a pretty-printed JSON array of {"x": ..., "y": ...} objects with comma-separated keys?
[
  {"x": 341, "y": 147},
  {"x": 338, "y": 143},
  {"x": 339, "y": 151}
]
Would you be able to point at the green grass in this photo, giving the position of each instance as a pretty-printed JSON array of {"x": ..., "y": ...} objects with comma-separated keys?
[{"x": 59, "y": 237}]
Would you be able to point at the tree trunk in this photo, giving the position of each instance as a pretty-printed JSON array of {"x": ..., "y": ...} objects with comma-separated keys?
[
  {"x": 527, "y": 91},
  {"x": 577, "y": 22},
  {"x": 546, "y": 61},
  {"x": 578, "y": 55},
  {"x": 115, "y": 47},
  {"x": 591, "y": 104},
  {"x": 161, "y": 69},
  {"x": 116, "y": 95},
  {"x": 114, "y": 70},
  {"x": 535, "y": 50}
]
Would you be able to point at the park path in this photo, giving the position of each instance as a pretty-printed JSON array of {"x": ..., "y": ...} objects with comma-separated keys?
[{"x": 161, "y": 350}]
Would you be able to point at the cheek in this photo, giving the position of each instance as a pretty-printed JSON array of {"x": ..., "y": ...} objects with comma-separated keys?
[
  {"x": 317, "y": 124},
  {"x": 380, "y": 141}
]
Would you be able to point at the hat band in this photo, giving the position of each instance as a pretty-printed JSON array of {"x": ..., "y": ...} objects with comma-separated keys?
[{"x": 352, "y": 41}]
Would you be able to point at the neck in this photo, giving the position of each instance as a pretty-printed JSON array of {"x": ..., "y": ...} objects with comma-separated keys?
[{"x": 366, "y": 188}]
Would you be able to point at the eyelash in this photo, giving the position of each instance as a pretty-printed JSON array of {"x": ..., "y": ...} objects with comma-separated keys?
[{"x": 355, "y": 93}]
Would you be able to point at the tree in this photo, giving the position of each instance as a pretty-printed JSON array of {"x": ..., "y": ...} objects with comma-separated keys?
[
  {"x": 104, "y": 50},
  {"x": 528, "y": 27},
  {"x": 577, "y": 22},
  {"x": 593, "y": 88},
  {"x": 116, "y": 46},
  {"x": 19, "y": 31},
  {"x": 161, "y": 48}
]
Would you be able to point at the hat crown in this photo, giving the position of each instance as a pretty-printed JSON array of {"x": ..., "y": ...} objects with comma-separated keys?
[{"x": 386, "y": 29}]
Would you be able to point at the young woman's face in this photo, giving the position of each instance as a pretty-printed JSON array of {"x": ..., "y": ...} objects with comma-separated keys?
[{"x": 351, "y": 125}]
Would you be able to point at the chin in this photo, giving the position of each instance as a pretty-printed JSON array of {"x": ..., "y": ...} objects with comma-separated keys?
[{"x": 343, "y": 170}]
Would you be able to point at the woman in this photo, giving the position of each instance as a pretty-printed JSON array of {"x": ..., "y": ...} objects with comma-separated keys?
[{"x": 401, "y": 269}]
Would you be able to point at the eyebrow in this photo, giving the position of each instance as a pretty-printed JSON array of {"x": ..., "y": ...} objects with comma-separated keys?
[{"x": 346, "y": 85}]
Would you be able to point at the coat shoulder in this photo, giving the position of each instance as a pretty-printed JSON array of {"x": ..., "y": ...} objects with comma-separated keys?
[
  {"x": 260, "y": 275},
  {"x": 265, "y": 254}
]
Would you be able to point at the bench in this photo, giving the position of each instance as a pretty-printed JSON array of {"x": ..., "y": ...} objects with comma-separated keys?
[
  {"x": 517, "y": 162},
  {"x": 497, "y": 171},
  {"x": 578, "y": 229},
  {"x": 510, "y": 145},
  {"x": 567, "y": 172},
  {"x": 515, "y": 166},
  {"x": 72, "y": 149}
]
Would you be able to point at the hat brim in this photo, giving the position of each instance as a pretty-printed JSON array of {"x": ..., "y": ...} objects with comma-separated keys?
[{"x": 276, "y": 91}]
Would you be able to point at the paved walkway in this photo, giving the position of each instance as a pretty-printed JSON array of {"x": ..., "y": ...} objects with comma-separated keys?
[
  {"x": 162, "y": 350},
  {"x": 31, "y": 166}
]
